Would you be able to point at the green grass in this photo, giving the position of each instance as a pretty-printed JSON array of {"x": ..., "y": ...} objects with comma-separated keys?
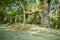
[{"x": 12, "y": 34}]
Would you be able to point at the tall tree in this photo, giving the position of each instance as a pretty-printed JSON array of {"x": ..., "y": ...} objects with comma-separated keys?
[{"x": 45, "y": 16}]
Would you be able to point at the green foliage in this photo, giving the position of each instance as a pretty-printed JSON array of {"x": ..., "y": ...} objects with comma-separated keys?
[
  {"x": 33, "y": 19},
  {"x": 15, "y": 11},
  {"x": 55, "y": 20},
  {"x": 55, "y": 1}
]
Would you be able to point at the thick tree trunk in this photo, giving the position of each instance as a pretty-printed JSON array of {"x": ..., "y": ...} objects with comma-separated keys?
[{"x": 45, "y": 16}]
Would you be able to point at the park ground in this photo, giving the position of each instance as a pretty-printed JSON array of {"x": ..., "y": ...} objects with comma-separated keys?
[{"x": 34, "y": 33}]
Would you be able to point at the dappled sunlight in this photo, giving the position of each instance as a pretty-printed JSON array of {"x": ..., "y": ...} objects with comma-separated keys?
[
  {"x": 29, "y": 19},
  {"x": 20, "y": 26}
]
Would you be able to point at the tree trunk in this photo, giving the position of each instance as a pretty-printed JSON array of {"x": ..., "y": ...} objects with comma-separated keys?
[
  {"x": 15, "y": 20},
  {"x": 24, "y": 17},
  {"x": 45, "y": 16},
  {"x": 10, "y": 20}
]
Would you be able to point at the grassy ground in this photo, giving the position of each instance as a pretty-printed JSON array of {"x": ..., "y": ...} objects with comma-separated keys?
[{"x": 34, "y": 33}]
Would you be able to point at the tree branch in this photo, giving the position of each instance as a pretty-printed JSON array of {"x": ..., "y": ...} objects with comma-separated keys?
[
  {"x": 36, "y": 11},
  {"x": 32, "y": 12}
]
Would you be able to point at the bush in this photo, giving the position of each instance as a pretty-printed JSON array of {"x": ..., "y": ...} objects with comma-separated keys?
[{"x": 54, "y": 22}]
